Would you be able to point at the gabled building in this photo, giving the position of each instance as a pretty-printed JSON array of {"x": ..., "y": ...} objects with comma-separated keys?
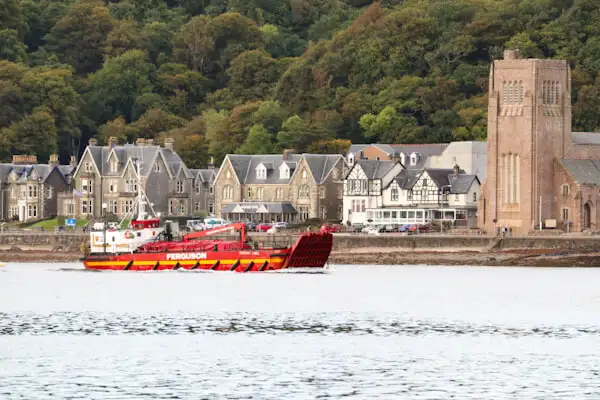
[
  {"x": 280, "y": 187},
  {"x": 108, "y": 174},
  {"x": 203, "y": 196},
  {"x": 28, "y": 190},
  {"x": 405, "y": 196},
  {"x": 363, "y": 187}
]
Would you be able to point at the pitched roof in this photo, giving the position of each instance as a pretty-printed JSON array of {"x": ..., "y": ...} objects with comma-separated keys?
[
  {"x": 376, "y": 169},
  {"x": 204, "y": 175},
  {"x": 320, "y": 166},
  {"x": 25, "y": 172},
  {"x": 462, "y": 183},
  {"x": 424, "y": 151},
  {"x": 407, "y": 178},
  {"x": 146, "y": 154},
  {"x": 585, "y": 172}
]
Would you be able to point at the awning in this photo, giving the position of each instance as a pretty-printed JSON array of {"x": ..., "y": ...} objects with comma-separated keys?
[{"x": 256, "y": 207}]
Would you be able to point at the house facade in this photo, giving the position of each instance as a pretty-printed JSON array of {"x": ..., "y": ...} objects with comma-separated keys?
[
  {"x": 377, "y": 192},
  {"x": 28, "y": 190},
  {"x": 109, "y": 175},
  {"x": 284, "y": 187},
  {"x": 203, "y": 196}
]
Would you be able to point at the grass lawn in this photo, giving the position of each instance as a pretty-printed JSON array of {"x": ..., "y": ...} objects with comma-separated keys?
[{"x": 51, "y": 224}]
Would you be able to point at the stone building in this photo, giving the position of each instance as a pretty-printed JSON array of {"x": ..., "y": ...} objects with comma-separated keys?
[
  {"x": 539, "y": 173},
  {"x": 28, "y": 190},
  {"x": 280, "y": 187},
  {"x": 107, "y": 174},
  {"x": 203, "y": 196}
]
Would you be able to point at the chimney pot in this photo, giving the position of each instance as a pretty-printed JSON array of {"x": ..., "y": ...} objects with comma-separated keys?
[
  {"x": 211, "y": 163},
  {"x": 169, "y": 143},
  {"x": 53, "y": 159},
  {"x": 140, "y": 142},
  {"x": 93, "y": 142},
  {"x": 149, "y": 142},
  {"x": 456, "y": 170},
  {"x": 112, "y": 141},
  {"x": 287, "y": 153},
  {"x": 73, "y": 161}
]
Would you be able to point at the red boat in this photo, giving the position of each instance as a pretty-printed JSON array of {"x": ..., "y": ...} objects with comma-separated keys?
[
  {"x": 146, "y": 246},
  {"x": 198, "y": 251}
]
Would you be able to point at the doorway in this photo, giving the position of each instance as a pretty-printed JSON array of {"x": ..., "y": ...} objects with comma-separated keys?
[{"x": 587, "y": 216}]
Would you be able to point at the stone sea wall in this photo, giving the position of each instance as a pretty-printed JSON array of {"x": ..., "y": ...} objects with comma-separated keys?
[{"x": 345, "y": 242}]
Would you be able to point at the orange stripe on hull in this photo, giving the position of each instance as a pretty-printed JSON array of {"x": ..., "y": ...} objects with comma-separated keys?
[{"x": 245, "y": 265}]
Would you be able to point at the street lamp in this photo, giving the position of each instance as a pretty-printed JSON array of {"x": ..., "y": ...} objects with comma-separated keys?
[{"x": 104, "y": 208}]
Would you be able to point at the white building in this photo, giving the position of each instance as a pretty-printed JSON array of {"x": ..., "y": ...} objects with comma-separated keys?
[{"x": 384, "y": 192}]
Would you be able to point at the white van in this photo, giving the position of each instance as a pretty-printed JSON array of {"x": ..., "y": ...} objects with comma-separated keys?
[{"x": 214, "y": 222}]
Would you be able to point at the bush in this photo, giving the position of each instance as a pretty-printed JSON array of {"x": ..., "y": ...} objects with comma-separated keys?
[{"x": 60, "y": 220}]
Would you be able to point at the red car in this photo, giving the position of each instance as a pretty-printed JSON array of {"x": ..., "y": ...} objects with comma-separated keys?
[
  {"x": 263, "y": 227},
  {"x": 331, "y": 228}
]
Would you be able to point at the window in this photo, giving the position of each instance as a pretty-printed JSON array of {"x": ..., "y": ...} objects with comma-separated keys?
[
  {"x": 304, "y": 174},
  {"x": 181, "y": 207},
  {"x": 197, "y": 186},
  {"x": 87, "y": 167},
  {"x": 126, "y": 206},
  {"x": 32, "y": 191},
  {"x": 180, "y": 186},
  {"x": 456, "y": 197},
  {"x": 113, "y": 187},
  {"x": 228, "y": 192},
  {"x": 114, "y": 166},
  {"x": 197, "y": 206},
  {"x": 323, "y": 213},
  {"x": 321, "y": 192},
  {"x": 565, "y": 190},
  {"x": 50, "y": 192},
  {"x": 474, "y": 196},
  {"x": 131, "y": 186},
  {"x": 260, "y": 193},
  {"x": 303, "y": 192},
  {"x": 261, "y": 172},
  {"x": 87, "y": 186},
  {"x": 565, "y": 214},
  {"x": 279, "y": 193},
  {"x": 112, "y": 207},
  {"x": 409, "y": 195},
  {"x": 249, "y": 193},
  {"x": 414, "y": 157},
  {"x": 87, "y": 207},
  {"x": 32, "y": 211},
  {"x": 335, "y": 174},
  {"x": 211, "y": 189},
  {"x": 394, "y": 194},
  {"x": 424, "y": 182},
  {"x": 157, "y": 167},
  {"x": 211, "y": 208}
]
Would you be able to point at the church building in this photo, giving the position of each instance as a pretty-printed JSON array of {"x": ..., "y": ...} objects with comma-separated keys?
[{"x": 540, "y": 174}]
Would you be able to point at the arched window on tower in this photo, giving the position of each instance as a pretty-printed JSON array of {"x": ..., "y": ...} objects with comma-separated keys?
[
  {"x": 504, "y": 93},
  {"x": 510, "y": 92}
]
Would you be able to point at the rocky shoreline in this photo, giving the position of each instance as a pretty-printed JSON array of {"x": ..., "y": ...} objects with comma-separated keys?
[{"x": 386, "y": 256}]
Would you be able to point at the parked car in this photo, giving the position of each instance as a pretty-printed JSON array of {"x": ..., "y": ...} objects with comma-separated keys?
[
  {"x": 280, "y": 225},
  {"x": 251, "y": 226},
  {"x": 331, "y": 228},
  {"x": 358, "y": 227},
  {"x": 418, "y": 228},
  {"x": 263, "y": 227}
]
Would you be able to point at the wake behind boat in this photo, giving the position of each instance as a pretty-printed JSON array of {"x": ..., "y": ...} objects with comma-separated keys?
[{"x": 145, "y": 245}]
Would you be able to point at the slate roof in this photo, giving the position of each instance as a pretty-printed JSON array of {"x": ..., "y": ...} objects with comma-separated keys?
[
  {"x": 320, "y": 166},
  {"x": 462, "y": 183},
  {"x": 585, "y": 172},
  {"x": 146, "y": 154},
  {"x": 407, "y": 178},
  {"x": 24, "y": 172},
  {"x": 376, "y": 169},
  {"x": 423, "y": 150},
  {"x": 585, "y": 137},
  {"x": 205, "y": 175}
]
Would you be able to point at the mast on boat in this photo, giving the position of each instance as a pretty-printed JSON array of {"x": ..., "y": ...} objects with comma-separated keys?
[{"x": 138, "y": 210}]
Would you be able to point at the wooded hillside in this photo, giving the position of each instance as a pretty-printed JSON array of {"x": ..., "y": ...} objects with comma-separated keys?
[{"x": 256, "y": 76}]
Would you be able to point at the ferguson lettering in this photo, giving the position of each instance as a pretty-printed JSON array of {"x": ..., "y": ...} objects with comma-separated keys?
[{"x": 186, "y": 256}]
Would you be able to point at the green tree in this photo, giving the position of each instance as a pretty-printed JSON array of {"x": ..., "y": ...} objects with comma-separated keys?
[
  {"x": 11, "y": 47},
  {"x": 34, "y": 134},
  {"x": 259, "y": 141}
]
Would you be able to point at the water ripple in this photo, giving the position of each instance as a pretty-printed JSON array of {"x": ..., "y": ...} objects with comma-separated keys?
[{"x": 90, "y": 323}]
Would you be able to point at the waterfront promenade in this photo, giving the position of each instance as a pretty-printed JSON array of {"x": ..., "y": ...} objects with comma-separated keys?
[{"x": 390, "y": 249}]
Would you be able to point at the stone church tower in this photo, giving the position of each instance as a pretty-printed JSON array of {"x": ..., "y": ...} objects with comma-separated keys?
[{"x": 529, "y": 127}]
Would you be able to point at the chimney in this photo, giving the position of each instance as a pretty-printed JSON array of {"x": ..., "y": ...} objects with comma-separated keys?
[
  {"x": 287, "y": 153},
  {"x": 169, "y": 143},
  {"x": 53, "y": 159},
  {"x": 512, "y": 54},
  {"x": 140, "y": 142},
  {"x": 113, "y": 141},
  {"x": 92, "y": 142},
  {"x": 211, "y": 163},
  {"x": 73, "y": 161},
  {"x": 24, "y": 159},
  {"x": 149, "y": 142},
  {"x": 455, "y": 170}
]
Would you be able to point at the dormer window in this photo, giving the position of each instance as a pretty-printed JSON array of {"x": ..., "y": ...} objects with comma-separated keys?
[
  {"x": 402, "y": 158},
  {"x": 284, "y": 172},
  {"x": 157, "y": 167},
  {"x": 87, "y": 167},
  {"x": 261, "y": 172},
  {"x": 351, "y": 159},
  {"x": 114, "y": 166},
  {"x": 414, "y": 158}
]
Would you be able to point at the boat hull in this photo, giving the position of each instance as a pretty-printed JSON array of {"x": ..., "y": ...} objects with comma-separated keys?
[{"x": 310, "y": 251}]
